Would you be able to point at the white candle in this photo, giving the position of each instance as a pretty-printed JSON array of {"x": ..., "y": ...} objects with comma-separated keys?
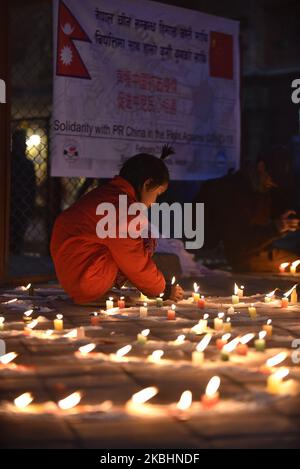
[
  {"x": 156, "y": 356},
  {"x": 268, "y": 328},
  {"x": 144, "y": 311},
  {"x": 198, "y": 354},
  {"x": 58, "y": 323}
]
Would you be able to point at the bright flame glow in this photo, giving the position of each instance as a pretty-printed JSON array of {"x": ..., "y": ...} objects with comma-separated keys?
[
  {"x": 246, "y": 338},
  {"x": 231, "y": 345},
  {"x": 269, "y": 321},
  {"x": 213, "y": 386},
  {"x": 289, "y": 292},
  {"x": 185, "y": 400},
  {"x": 8, "y": 357},
  {"x": 72, "y": 334},
  {"x": 157, "y": 355},
  {"x": 49, "y": 332},
  {"x": 33, "y": 141},
  {"x": 32, "y": 324},
  {"x": 281, "y": 373},
  {"x": 221, "y": 315},
  {"x": 236, "y": 289},
  {"x": 295, "y": 264},
  {"x": 10, "y": 301},
  {"x": 173, "y": 307},
  {"x": 2, "y": 320},
  {"x": 196, "y": 287},
  {"x": 272, "y": 293},
  {"x": 145, "y": 332},
  {"x": 284, "y": 265},
  {"x": 180, "y": 339},
  {"x": 24, "y": 400},
  {"x": 279, "y": 358},
  {"x": 123, "y": 351},
  {"x": 70, "y": 401},
  {"x": 59, "y": 316},
  {"x": 206, "y": 316},
  {"x": 28, "y": 313},
  {"x": 144, "y": 395},
  {"x": 226, "y": 337},
  {"x": 204, "y": 343},
  {"x": 173, "y": 280},
  {"x": 85, "y": 349}
]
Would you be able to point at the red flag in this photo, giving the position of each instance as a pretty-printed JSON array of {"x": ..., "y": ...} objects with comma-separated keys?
[
  {"x": 68, "y": 60},
  {"x": 221, "y": 55}
]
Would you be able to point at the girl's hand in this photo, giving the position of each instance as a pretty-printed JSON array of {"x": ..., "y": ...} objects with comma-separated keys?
[{"x": 176, "y": 293}]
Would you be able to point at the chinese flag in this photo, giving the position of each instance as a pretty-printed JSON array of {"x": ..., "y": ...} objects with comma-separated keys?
[
  {"x": 221, "y": 55},
  {"x": 68, "y": 61}
]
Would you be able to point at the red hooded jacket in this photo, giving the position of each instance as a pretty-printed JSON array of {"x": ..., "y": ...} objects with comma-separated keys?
[{"x": 87, "y": 266}]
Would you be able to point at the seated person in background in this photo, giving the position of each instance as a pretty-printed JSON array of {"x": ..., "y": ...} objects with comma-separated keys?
[{"x": 247, "y": 211}]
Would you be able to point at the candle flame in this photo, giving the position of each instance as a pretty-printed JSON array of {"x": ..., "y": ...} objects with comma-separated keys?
[
  {"x": 32, "y": 324},
  {"x": 284, "y": 265},
  {"x": 2, "y": 320},
  {"x": 272, "y": 293},
  {"x": 205, "y": 316},
  {"x": 289, "y": 292},
  {"x": 122, "y": 297},
  {"x": 279, "y": 358},
  {"x": 201, "y": 346},
  {"x": 231, "y": 345},
  {"x": 123, "y": 351},
  {"x": 295, "y": 264},
  {"x": 221, "y": 315},
  {"x": 24, "y": 400},
  {"x": 213, "y": 386},
  {"x": 72, "y": 334},
  {"x": 145, "y": 332},
  {"x": 85, "y": 349},
  {"x": 173, "y": 307},
  {"x": 10, "y": 301},
  {"x": 28, "y": 312},
  {"x": 145, "y": 305},
  {"x": 27, "y": 286},
  {"x": 281, "y": 373},
  {"x": 269, "y": 321},
  {"x": 144, "y": 395},
  {"x": 111, "y": 298},
  {"x": 157, "y": 355},
  {"x": 246, "y": 338},
  {"x": 228, "y": 320},
  {"x": 196, "y": 287},
  {"x": 236, "y": 289},
  {"x": 8, "y": 357},
  {"x": 173, "y": 280},
  {"x": 262, "y": 335},
  {"x": 226, "y": 337},
  {"x": 185, "y": 400},
  {"x": 161, "y": 295},
  {"x": 59, "y": 316},
  {"x": 49, "y": 332},
  {"x": 180, "y": 339},
  {"x": 71, "y": 401}
]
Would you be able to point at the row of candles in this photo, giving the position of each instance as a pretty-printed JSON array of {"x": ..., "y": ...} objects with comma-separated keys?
[{"x": 293, "y": 267}]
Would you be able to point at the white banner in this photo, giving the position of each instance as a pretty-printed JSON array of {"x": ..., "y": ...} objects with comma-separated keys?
[{"x": 130, "y": 76}]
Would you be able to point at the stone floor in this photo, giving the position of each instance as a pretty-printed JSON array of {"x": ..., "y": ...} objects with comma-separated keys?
[{"x": 247, "y": 416}]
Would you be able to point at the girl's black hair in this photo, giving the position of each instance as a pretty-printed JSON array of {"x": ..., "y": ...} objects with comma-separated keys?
[{"x": 137, "y": 169}]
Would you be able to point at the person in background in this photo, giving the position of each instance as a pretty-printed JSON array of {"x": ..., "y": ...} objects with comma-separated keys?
[{"x": 248, "y": 211}]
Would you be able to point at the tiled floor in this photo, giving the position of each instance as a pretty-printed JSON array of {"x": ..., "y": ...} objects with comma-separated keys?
[{"x": 246, "y": 416}]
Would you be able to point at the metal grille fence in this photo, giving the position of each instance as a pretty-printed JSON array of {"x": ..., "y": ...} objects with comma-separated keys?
[{"x": 36, "y": 199}]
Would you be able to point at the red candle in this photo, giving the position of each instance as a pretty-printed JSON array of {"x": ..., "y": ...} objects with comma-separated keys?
[
  {"x": 171, "y": 313},
  {"x": 211, "y": 396},
  {"x": 121, "y": 302},
  {"x": 95, "y": 319},
  {"x": 222, "y": 341},
  {"x": 201, "y": 302},
  {"x": 284, "y": 302}
]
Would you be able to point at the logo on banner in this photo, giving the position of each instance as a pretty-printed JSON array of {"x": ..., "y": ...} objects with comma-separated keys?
[
  {"x": 71, "y": 151},
  {"x": 68, "y": 61},
  {"x": 221, "y": 55}
]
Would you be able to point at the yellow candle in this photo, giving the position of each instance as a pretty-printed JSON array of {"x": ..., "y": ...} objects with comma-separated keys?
[
  {"x": 294, "y": 297},
  {"x": 58, "y": 323},
  {"x": 196, "y": 294},
  {"x": 274, "y": 383},
  {"x": 218, "y": 322},
  {"x": 235, "y": 299},
  {"x": 227, "y": 325},
  {"x": 110, "y": 303}
]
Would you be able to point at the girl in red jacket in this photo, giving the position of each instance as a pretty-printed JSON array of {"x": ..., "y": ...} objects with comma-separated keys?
[{"x": 87, "y": 266}]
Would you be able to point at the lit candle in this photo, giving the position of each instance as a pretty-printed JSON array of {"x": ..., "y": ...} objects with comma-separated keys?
[
  {"x": 223, "y": 341},
  {"x": 201, "y": 302},
  {"x": 143, "y": 311},
  {"x": 283, "y": 267},
  {"x": 294, "y": 265},
  {"x": 211, "y": 397},
  {"x": 227, "y": 325},
  {"x": 268, "y": 328},
  {"x": 142, "y": 337},
  {"x": 171, "y": 314},
  {"x": 86, "y": 349},
  {"x": 180, "y": 340},
  {"x": 29, "y": 327},
  {"x": 228, "y": 349},
  {"x": 198, "y": 354},
  {"x": 270, "y": 296},
  {"x": 137, "y": 403},
  {"x": 2, "y": 320},
  {"x": 272, "y": 362},
  {"x": 7, "y": 358},
  {"x": 196, "y": 294},
  {"x": 156, "y": 356},
  {"x": 242, "y": 347},
  {"x": 239, "y": 292},
  {"x": 95, "y": 319},
  {"x": 252, "y": 312},
  {"x": 23, "y": 401},
  {"x": 121, "y": 352},
  {"x": 260, "y": 343},
  {"x": 284, "y": 302},
  {"x": 218, "y": 322},
  {"x": 201, "y": 326},
  {"x": 58, "y": 323},
  {"x": 159, "y": 300},
  {"x": 230, "y": 310},
  {"x": 294, "y": 297},
  {"x": 274, "y": 382},
  {"x": 110, "y": 303},
  {"x": 235, "y": 299},
  {"x": 143, "y": 297},
  {"x": 27, "y": 317},
  {"x": 185, "y": 401},
  {"x": 121, "y": 302},
  {"x": 70, "y": 401}
]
